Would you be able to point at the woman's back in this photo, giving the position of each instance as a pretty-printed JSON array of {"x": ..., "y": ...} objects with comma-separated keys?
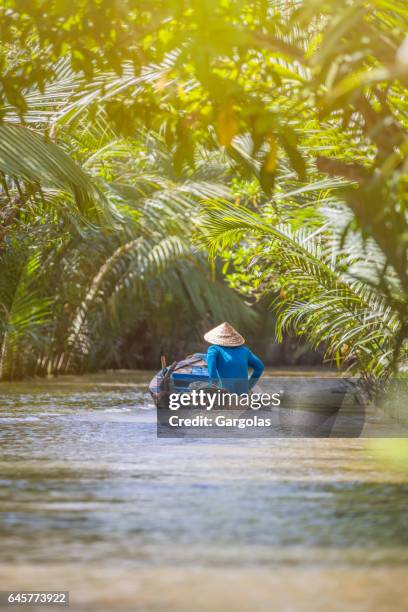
[{"x": 228, "y": 367}]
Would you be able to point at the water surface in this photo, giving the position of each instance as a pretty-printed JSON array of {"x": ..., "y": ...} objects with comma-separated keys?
[{"x": 92, "y": 502}]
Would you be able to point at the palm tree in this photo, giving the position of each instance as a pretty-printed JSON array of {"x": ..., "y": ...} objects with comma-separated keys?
[
  {"x": 151, "y": 258},
  {"x": 326, "y": 282},
  {"x": 306, "y": 85},
  {"x": 142, "y": 255}
]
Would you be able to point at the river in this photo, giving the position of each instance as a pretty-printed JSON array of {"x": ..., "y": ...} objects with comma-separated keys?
[{"x": 92, "y": 502}]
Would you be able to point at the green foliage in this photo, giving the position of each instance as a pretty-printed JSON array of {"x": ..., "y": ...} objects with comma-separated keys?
[
  {"x": 44, "y": 165},
  {"x": 24, "y": 313},
  {"x": 127, "y": 115},
  {"x": 327, "y": 284},
  {"x": 143, "y": 269}
]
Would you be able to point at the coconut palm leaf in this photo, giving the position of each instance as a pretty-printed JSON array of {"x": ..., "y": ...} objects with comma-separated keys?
[
  {"x": 312, "y": 276},
  {"x": 26, "y": 156},
  {"x": 23, "y": 310}
]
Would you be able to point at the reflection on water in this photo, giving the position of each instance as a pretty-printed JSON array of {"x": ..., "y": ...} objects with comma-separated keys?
[{"x": 92, "y": 501}]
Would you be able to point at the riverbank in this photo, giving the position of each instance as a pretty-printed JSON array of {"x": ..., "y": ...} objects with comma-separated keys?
[{"x": 116, "y": 377}]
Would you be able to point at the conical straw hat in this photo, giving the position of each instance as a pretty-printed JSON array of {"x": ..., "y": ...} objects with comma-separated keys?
[{"x": 224, "y": 335}]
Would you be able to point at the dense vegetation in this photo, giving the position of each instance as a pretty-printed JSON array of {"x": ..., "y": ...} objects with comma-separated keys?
[{"x": 136, "y": 137}]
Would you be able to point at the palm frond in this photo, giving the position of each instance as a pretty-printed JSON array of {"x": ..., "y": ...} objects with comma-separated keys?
[
  {"x": 22, "y": 311},
  {"x": 312, "y": 274},
  {"x": 26, "y": 156}
]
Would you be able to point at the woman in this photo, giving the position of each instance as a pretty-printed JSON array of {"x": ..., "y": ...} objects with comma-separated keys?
[{"x": 228, "y": 360}]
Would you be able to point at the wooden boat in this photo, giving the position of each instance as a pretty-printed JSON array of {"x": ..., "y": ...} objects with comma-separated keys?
[
  {"x": 180, "y": 377},
  {"x": 316, "y": 407}
]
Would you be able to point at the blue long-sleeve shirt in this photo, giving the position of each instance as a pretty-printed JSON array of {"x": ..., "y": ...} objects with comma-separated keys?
[{"x": 228, "y": 367}]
